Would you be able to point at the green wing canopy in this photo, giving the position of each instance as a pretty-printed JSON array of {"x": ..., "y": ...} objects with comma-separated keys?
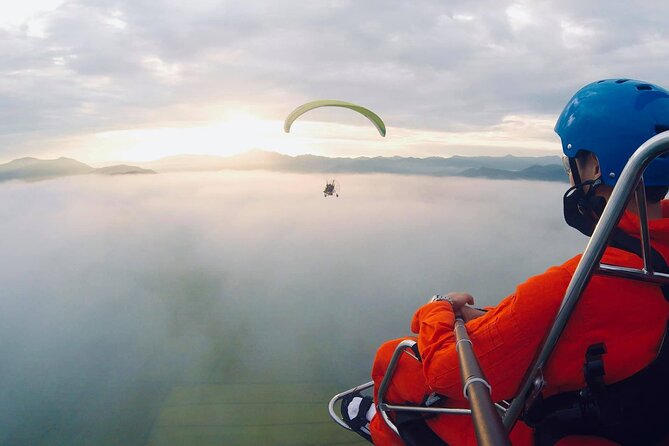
[{"x": 302, "y": 109}]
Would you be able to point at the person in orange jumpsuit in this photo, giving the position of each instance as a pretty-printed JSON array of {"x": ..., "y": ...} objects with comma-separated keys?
[{"x": 600, "y": 128}]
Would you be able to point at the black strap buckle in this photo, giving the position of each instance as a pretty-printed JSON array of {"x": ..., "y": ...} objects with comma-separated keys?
[{"x": 593, "y": 368}]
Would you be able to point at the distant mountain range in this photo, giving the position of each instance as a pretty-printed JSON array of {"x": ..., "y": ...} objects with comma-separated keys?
[
  {"x": 509, "y": 167},
  {"x": 33, "y": 169},
  {"x": 545, "y": 168}
]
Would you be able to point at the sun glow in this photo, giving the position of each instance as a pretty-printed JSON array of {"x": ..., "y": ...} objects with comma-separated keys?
[
  {"x": 241, "y": 132},
  {"x": 238, "y": 133}
]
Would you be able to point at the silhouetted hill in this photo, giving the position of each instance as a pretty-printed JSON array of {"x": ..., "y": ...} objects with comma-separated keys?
[
  {"x": 544, "y": 173},
  {"x": 122, "y": 169},
  {"x": 547, "y": 168},
  {"x": 34, "y": 169}
]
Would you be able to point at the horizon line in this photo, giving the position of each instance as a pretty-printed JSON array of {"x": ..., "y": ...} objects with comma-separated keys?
[{"x": 250, "y": 151}]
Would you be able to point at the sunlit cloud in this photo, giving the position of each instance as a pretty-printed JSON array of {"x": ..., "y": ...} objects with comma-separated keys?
[
  {"x": 22, "y": 13},
  {"x": 78, "y": 76},
  {"x": 165, "y": 72},
  {"x": 523, "y": 135},
  {"x": 237, "y": 134},
  {"x": 528, "y": 135}
]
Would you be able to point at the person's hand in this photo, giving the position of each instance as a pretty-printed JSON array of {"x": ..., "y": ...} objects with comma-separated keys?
[{"x": 457, "y": 300}]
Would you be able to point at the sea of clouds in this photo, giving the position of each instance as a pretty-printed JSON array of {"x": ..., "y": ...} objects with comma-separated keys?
[{"x": 115, "y": 288}]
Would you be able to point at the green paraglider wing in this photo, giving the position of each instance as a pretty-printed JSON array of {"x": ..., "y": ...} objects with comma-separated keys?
[{"x": 302, "y": 109}]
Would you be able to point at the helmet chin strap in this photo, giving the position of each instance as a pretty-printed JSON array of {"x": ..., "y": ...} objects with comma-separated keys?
[
  {"x": 582, "y": 209},
  {"x": 573, "y": 167}
]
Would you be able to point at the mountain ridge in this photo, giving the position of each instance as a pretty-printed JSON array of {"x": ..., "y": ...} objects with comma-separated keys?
[
  {"x": 508, "y": 167},
  {"x": 546, "y": 168},
  {"x": 35, "y": 169}
]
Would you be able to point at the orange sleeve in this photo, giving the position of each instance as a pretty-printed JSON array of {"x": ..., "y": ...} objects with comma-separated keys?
[{"x": 505, "y": 339}]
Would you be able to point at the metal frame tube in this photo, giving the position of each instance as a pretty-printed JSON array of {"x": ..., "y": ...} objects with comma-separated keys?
[
  {"x": 643, "y": 225},
  {"x": 341, "y": 395},
  {"x": 421, "y": 409},
  {"x": 633, "y": 273},
  {"x": 629, "y": 178},
  {"x": 488, "y": 425},
  {"x": 385, "y": 384}
]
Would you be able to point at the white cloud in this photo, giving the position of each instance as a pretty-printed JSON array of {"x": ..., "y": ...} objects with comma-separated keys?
[
  {"x": 576, "y": 35},
  {"x": 166, "y": 72},
  {"x": 116, "y": 20},
  {"x": 463, "y": 17},
  {"x": 456, "y": 67},
  {"x": 18, "y": 13},
  {"x": 519, "y": 16}
]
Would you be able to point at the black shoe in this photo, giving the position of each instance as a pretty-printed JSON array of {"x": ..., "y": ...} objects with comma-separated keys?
[{"x": 354, "y": 409}]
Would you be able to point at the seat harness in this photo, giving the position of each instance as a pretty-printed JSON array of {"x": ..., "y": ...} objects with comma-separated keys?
[{"x": 630, "y": 412}]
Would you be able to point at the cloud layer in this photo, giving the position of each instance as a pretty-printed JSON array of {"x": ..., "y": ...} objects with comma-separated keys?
[
  {"x": 458, "y": 67},
  {"x": 116, "y": 289}
]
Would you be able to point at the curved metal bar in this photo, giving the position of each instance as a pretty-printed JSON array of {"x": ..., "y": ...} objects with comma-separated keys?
[
  {"x": 387, "y": 378},
  {"x": 625, "y": 186},
  {"x": 385, "y": 383},
  {"x": 384, "y": 407},
  {"x": 341, "y": 395}
]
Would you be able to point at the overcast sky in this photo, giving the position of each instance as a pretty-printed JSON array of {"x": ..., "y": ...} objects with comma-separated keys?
[{"x": 137, "y": 79}]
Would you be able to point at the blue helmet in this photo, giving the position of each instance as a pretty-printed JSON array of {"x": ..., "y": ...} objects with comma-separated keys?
[{"x": 612, "y": 118}]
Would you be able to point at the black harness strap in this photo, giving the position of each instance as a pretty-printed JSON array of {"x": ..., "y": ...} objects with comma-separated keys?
[
  {"x": 631, "y": 412},
  {"x": 416, "y": 432},
  {"x": 413, "y": 428},
  {"x": 593, "y": 369}
]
